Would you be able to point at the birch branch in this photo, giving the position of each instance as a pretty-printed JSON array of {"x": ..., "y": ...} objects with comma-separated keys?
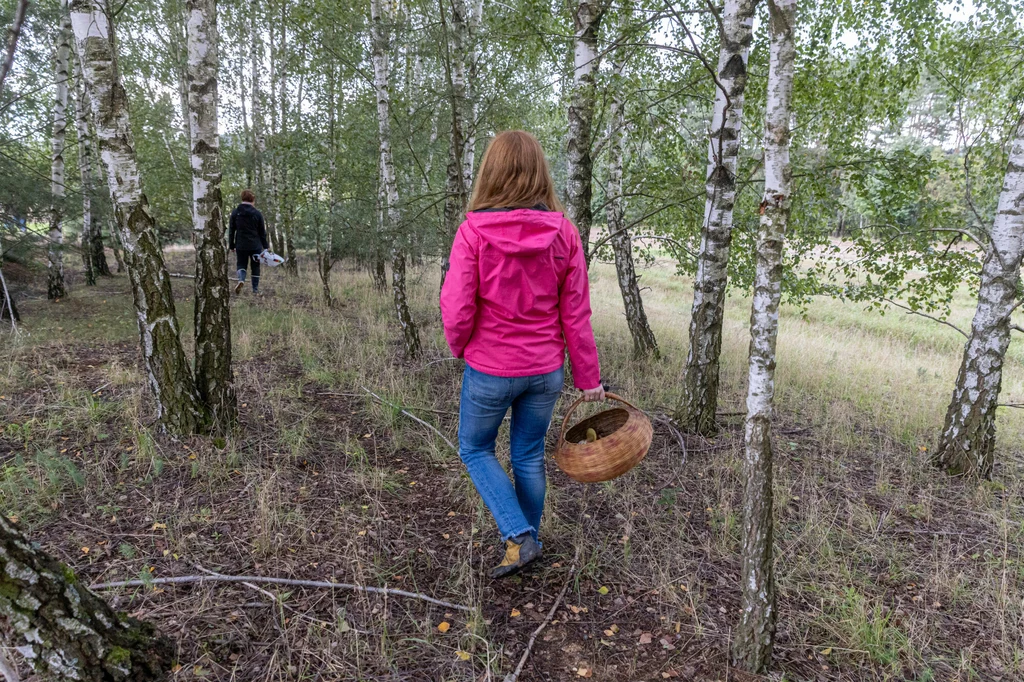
[
  {"x": 410, "y": 415},
  {"x": 911, "y": 311},
  {"x": 12, "y": 41},
  {"x": 514, "y": 675},
  {"x": 321, "y": 584}
]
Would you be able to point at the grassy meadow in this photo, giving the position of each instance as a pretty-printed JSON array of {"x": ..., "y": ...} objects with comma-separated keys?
[{"x": 887, "y": 569}]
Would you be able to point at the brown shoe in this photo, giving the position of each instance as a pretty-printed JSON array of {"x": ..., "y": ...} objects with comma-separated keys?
[
  {"x": 519, "y": 551},
  {"x": 238, "y": 287}
]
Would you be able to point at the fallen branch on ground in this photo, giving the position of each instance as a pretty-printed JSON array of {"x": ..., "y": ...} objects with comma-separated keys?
[
  {"x": 667, "y": 421},
  {"x": 514, "y": 675},
  {"x": 180, "y": 580},
  {"x": 410, "y": 415}
]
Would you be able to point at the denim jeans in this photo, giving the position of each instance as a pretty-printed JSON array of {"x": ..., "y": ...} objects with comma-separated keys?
[{"x": 485, "y": 400}]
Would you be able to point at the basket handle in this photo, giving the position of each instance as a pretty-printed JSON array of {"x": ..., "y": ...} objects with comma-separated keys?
[{"x": 572, "y": 408}]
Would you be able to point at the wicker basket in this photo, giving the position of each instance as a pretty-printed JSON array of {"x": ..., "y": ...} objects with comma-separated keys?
[{"x": 623, "y": 438}]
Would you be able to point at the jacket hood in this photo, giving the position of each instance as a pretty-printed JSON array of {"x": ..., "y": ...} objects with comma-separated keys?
[
  {"x": 522, "y": 231},
  {"x": 246, "y": 208}
]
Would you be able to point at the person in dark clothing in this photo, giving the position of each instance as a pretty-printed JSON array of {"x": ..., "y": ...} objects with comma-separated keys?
[{"x": 247, "y": 236}]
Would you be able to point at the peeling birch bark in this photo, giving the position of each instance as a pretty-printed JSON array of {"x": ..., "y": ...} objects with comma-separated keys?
[
  {"x": 169, "y": 376},
  {"x": 212, "y": 315},
  {"x": 754, "y": 637},
  {"x": 967, "y": 443},
  {"x": 587, "y": 16},
  {"x": 380, "y": 40},
  {"x": 62, "y": 628},
  {"x": 55, "y": 288},
  {"x": 644, "y": 343},
  {"x": 700, "y": 385}
]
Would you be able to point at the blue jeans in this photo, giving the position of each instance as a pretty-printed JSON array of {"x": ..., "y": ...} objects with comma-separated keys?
[{"x": 485, "y": 400}]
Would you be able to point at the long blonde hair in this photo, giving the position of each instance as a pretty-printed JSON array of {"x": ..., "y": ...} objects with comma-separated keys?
[{"x": 514, "y": 174}]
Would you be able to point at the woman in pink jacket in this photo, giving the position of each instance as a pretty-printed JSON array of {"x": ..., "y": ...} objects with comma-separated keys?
[{"x": 516, "y": 297}]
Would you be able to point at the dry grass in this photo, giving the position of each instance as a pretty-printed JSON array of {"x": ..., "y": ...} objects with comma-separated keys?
[{"x": 887, "y": 569}]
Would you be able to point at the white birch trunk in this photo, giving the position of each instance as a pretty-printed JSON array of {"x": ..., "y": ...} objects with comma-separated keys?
[
  {"x": 178, "y": 406},
  {"x": 55, "y": 288},
  {"x": 380, "y": 45},
  {"x": 85, "y": 174},
  {"x": 700, "y": 386},
  {"x": 456, "y": 193},
  {"x": 754, "y": 637},
  {"x": 580, "y": 166},
  {"x": 212, "y": 314},
  {"x": 967, "y": 443},
  {"x": 476, "y": 17},
  {"x": 258, "y": 140},
  {"x": 644, "y": 342}
]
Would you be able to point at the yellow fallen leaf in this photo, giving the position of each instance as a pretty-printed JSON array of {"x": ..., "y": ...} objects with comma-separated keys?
[
  {"x": 362, "y": 532},
  {"x": 826, "y": 652},
  {"x": 609, "y": 633},
  {"x": 603, "y": 590},
  {"x": 462, "y": 655},
  {"x": 584, "y": 672},
  {"x": 85, "y": 550},
  {"x": 444, "y": 626},
  {"x": 516, "y": 613},
  {"x": 159, "y": 526}
]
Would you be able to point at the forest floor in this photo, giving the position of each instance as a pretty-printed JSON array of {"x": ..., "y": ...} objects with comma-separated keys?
[{"x": 887, "y": 569}]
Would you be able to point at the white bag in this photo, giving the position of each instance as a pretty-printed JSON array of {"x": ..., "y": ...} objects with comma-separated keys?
[{"x": 270, "y": 259}]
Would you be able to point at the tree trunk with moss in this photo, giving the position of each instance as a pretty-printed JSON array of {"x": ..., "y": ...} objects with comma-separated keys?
[
  {"x": 178, "y": 406},
  {"x": 64, "y": 630},
  {"x": 700, "y": 384},
  {"x": 968, "y": 440}
]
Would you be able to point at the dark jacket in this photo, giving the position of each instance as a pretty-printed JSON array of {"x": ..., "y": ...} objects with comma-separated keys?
[{"x": 246, "y": 229}]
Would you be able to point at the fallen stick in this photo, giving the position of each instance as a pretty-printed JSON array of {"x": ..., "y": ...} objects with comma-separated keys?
[
  {"x": 667, "y": 421},
  {"x": 180, "y": 580},
  {"x": 514, "y": 675},
  {"x": 410, "y": 415}
]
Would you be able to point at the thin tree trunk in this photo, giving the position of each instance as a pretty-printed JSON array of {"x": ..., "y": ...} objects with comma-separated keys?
[
  {"x": 455, "y": 183},
  {"x": 212, "y": 311},
  {"x": 967, "y": 443},
  {"x": 380, "y": 43},
  {"x": 587, "y": 16},
  {"x": 700, "y": 386},
  {"x": 55, "y": 288},
  {"x": 325, "y": 239},
  {"x": 476, "y": 16},
  {"x": 64, "y": 630},
  {"x": 755, "y": 636},
  {"x": 259, "y": 143},
  {"x": 177, "y": 403},
  {"x": 8, "y": 310},
  {"x": 285, "y": 226},
  {"x": 85, "y": 174},
  {"x": 644, "y": 343}
]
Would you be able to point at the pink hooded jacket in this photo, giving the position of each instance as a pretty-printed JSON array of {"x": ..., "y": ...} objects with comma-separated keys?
[{"x": 517, "y": 295}]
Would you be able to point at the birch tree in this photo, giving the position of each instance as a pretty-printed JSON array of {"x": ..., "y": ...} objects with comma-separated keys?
[
  {"x": 755, "y": 635},
  {"x": 55, "y": 288},
  {"x": 644, "y": 342},
  {"x": 85, "y": 174},
  {"x": 212, "y": 312},
  {"x": 967, "y": 443},
  {"x": 62, "y": 628},
  {"x": 178, "y": 406},
  {"x": 380, "y": 46},
  {"x": 456, "y": 186},
  {"x": 700, "y": 385},
  {"x": 586, "y": 17}
]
